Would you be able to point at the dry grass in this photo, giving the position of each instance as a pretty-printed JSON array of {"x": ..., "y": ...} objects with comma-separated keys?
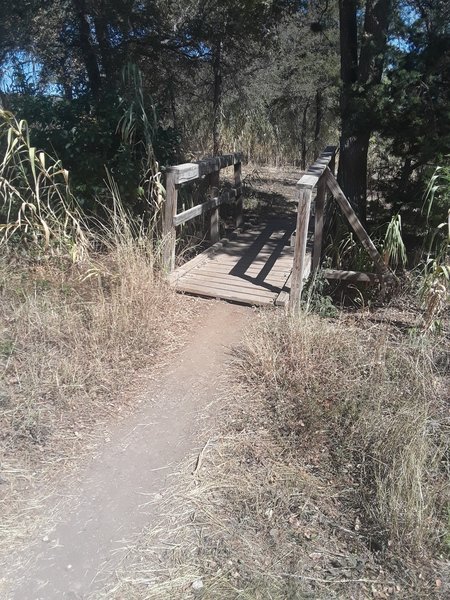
[
  {"x": 73, "y": 339},
  {"x": 328, "y": 480},
  {"x": 65, "y": 338}
]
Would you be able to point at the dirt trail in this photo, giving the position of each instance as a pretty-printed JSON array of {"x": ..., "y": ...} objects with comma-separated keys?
[{"x": 110, "y": 502}]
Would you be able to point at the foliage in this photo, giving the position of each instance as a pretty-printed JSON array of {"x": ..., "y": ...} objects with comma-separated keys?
[
  {"x": 435, "y": 287},
  {"x": 394, "y": 250},
  {"x": 36, "y": 203},
  {"x": 315, "y": 298}
]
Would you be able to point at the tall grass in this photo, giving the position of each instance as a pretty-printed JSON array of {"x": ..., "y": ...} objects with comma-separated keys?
[
  {"x": 81, "y": 301},
  {"x": 435, "y": 283},
  {"x": 376, "y": 398},
  {"x": 36, "y": 203}
]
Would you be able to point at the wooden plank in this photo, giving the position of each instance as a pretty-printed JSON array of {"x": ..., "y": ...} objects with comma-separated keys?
[
  {"x": 283, "y": 297},
  {"x": 310, "y": 179},
  {"x": 272, "y": 279},
  {"x": 190, "y": 171},
  {"x": 214, "y": 182},
  {"x": 198, "y": 260},
  {"x": 250, "y": 283},
  {"x": 372, "y": 278},
  {"x": 239, "y": 209},
  {"x": 201, "y": 209},
  {"x": 216, "y": 264},
  {"x": 301, "y": 238},
  {"x": 355, "y": 223},
  {"x": 318, "y": 222},
  {"x": 231, "y": 295},
  {"x": 168, "y": 229},
  {"x": 218, "y": 286}
]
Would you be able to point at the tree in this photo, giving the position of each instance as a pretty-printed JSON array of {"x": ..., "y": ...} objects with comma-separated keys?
[{"x": 362, "y": 60}]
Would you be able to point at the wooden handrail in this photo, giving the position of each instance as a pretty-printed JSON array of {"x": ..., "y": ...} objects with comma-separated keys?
[
  {"x": 180, "y": 174},
  {"x": 321, "y": 175},
  {"x": 191, "y": 171},
  {"x": 305, "y": 186},
  {"x": 310, "y": 179},
  {"x": 200, "y": 209}
]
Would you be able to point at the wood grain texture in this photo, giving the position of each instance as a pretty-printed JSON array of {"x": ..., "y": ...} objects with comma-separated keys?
[
  {"x": 318, "y": 223},
  {"x": 201, "y": 209},
  {"x": 301, "y": 238},
  {"x": 316, "y": 170},
  {"x": 355, "y": 223},
  {"x": 214, "y": 182},
  {"x": 239, "y": 208},
  {"x": 253, "y": 268},
  {"x": 168, "y": 228},
  {"x": 191, "y": 171}
]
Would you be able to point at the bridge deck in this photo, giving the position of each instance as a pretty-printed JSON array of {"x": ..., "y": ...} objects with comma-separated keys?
[{"x": 251, "y": 268}]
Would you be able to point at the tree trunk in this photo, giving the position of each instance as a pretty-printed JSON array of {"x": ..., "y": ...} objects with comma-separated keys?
[
  {"x": 352, "y": 174},
  {"x": 104, "y": 45},
  {"x": 173, "y": 103},
  {"x": 356, "y": 110},
  {"x": 87, "y": 51},
  {"x": 217, "y": 96}
]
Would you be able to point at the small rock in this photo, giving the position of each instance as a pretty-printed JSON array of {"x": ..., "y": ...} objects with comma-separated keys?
[
  {"x": 197, "y": 584},
  {"x": 315, "y": 555},
  {"x": 269, "y": 513},
  {"x": 69, "y": 567},
  {"x": 45, "y": 538}
]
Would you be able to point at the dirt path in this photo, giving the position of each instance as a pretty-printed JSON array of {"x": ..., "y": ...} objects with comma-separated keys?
[{"x": 110, "y": 502}]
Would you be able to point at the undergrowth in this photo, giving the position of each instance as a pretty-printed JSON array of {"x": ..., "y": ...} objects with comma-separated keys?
[
  {"x": 328, "y": 480},
  {"x": 67, "y": 333}
]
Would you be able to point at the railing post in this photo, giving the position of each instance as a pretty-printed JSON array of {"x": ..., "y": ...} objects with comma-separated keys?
[
  {"x": 301, "y": 237},
  {"x": 169, "y": 234},
  {"x": 214, "y": 179},
  {"x": 318, "y": 222},
  {"x": 239, "y": 217}
]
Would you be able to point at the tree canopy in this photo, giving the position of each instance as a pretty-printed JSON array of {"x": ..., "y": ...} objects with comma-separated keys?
[{"x": 277, "y": 79}]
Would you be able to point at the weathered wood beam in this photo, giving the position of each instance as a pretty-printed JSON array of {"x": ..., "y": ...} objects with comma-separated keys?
[
  {"x": 316, "y": 170},
  {"x": 169, "y": 237},
  {"x": 318, "y": 222},
  {"x": 190, "y": 171},
  {"x": 214, "y": 182},
  {"x": 200, "y": 209},
  {"x": 356, "y": 276},
  {"x": 301, "y": 237},
  {"x": 239, "y": 208},
  {"x": 356, "y": 225}
]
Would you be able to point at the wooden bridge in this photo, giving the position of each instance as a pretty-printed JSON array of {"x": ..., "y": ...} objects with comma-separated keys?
[{"x": 265, "y": 264}]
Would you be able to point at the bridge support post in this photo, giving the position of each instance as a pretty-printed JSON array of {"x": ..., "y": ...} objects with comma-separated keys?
[
  {"x": 214, "y": 182},
  {"x": 169, "y": 237},
  {"x": 318, "y": 223},
  {"x": 238, "y": 215},
  {"x": 301, "y": 237}
]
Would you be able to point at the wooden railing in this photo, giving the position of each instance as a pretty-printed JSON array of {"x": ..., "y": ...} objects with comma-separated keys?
[
  {"x": 320, "y": 176},
  {"x": 180, "y": 174}
]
